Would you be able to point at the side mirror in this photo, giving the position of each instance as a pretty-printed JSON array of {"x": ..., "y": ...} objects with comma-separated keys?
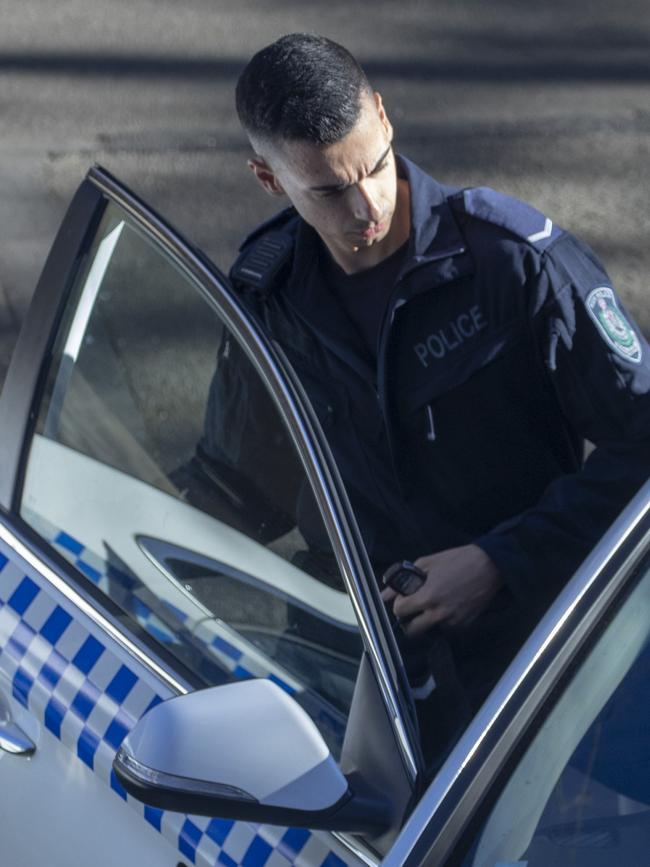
[{"x": 243, "y": 751}]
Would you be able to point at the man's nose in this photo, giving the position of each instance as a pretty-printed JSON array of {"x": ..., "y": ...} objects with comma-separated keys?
[{"x": 366, "y": 202}]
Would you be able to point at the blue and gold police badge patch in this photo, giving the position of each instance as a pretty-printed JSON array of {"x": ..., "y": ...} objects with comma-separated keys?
[{"x": 617, "y": 331}]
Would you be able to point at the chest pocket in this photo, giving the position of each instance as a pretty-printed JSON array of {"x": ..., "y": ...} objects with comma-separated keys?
[
  {"x": 478, "y": 435},
  {"x": 430, "y": 381}
]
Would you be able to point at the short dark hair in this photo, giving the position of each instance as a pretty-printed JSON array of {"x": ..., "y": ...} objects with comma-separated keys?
[{"x": 302, "y": 87}]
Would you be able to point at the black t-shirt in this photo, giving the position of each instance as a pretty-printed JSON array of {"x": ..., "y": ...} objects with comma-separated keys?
[{"x": 364, "y": 296}]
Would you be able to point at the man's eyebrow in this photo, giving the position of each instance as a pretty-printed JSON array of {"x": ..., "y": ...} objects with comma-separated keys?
[{"x": 331, "y": 187}]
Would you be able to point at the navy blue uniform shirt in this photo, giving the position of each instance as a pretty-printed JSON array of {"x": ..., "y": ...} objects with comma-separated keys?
[{"x": 503, "y": 347}]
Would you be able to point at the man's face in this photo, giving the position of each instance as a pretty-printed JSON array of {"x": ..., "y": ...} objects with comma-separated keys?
[{"x": 346, "y": 191}]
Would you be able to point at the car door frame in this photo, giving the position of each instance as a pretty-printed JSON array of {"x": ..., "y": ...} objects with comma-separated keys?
[
  {"x": 450, "y": 813},
  {"x": 20, "y": 398},
  {"x": 19, "y": 401}
]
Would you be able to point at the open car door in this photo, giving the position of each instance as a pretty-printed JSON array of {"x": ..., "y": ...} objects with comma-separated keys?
[{"x": 143, "y": 558}]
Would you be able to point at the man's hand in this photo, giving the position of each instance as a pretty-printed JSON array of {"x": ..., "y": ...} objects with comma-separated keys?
[{"x": 460, "y": 582}]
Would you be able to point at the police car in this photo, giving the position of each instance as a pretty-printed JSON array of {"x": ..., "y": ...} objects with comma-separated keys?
[{"x": 194, "y": 671}]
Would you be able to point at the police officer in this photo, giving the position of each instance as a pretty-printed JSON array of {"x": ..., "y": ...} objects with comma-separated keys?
[{"x": 458, "y": 347}]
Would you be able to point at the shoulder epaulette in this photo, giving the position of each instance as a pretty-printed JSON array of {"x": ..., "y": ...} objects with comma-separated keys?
[
  {"x": 265, "y": 253},
  {"x": 517, "y": 217}
]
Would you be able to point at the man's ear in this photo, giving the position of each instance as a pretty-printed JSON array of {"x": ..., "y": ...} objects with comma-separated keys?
[
  {"x": 383, "y": 117},
  {"x": 265, "y": 176}
]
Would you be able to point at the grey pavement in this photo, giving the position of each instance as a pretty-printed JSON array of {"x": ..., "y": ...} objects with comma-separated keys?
[{"x": 549, "y": 103}]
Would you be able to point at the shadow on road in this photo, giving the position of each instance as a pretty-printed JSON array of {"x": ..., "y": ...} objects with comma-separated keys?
[{"x": 592, "y": 67}]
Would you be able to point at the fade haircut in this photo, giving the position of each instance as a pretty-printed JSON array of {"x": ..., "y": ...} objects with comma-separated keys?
[{"x": 302, "y": 88}]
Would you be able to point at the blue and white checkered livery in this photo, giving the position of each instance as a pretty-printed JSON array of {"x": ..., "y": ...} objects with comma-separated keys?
[
  {"x": 89, "y": 696},
  {"x": 211, "y": 638}
]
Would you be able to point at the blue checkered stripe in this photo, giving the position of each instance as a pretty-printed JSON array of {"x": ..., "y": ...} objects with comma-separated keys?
[
  {"x": 235, "y": 656},
  {"x": 87, "y": 698},
  {"x": 171, "y": 625}
]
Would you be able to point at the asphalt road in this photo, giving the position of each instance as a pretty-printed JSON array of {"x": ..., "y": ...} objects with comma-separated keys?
[{"x": 547, "y": 102}]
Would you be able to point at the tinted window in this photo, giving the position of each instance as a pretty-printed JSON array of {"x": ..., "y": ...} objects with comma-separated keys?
[{"x": 162, "y": 470}]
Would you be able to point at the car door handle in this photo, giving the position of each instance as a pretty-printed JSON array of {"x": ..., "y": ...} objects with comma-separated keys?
[{"x": 14, "y": 740}]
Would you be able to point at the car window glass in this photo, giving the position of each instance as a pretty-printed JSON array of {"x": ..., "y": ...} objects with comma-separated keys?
[
  {"x": 581, "y": 793},
  {"x": 161, "y": 468}
]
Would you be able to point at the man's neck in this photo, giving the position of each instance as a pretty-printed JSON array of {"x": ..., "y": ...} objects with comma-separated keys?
[{"x": 353, "y": 261}]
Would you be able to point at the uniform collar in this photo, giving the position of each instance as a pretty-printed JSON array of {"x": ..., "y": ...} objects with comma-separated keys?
[
  {"x": 435, "y": 239},
  {"x": 435, "y": 236}
]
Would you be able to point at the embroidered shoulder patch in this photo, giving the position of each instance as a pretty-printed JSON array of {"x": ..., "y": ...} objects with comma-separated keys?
[{"x": 612, "y": 324}]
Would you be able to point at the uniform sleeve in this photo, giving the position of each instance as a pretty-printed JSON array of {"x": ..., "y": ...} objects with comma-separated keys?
[{"x": 597, "y": 364}]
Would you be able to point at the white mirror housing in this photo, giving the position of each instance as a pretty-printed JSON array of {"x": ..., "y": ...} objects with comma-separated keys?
[{"x": 247, "y": 751}]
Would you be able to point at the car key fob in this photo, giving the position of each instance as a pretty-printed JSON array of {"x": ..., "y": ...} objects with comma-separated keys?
[{"x": 404, "y": 578}]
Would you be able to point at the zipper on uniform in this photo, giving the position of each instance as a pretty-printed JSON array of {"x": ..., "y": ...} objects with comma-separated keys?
[{"x": 431, "y": 429}]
